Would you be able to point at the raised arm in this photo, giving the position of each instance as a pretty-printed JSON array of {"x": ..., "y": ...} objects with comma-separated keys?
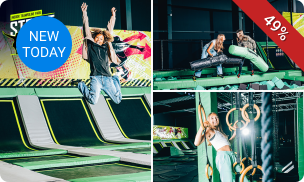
[
  {"x": 200, "y": 136},
  {"x": 85, "y": 20},
  {"x": 111, "y": 23}
]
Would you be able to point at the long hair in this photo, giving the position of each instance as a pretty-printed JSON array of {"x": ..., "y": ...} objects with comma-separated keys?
[
  {"x": 219, "y": 43},
  {"x": 107, "y": 35},
  {"x": 218, "y": 127}
]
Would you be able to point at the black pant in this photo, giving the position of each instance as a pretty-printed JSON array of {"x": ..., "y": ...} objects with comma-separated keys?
[{"x": 241, "y": 66}]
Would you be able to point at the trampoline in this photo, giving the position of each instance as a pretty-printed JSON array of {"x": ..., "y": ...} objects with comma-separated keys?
[
  {"x": 70, "y": 122},
  {"x": 169, "y": 144},
  {"x": 14, "y": 145},
  {"x": 88, "y": 171},
  {"x": 133, "y": 117},
  {"x": 157, "y": 146}
]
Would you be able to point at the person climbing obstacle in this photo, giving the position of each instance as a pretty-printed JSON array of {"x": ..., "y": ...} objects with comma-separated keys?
[
  {"x": 245, "y": 41},
  {"x": 213, "y": 48},
  {"x": 99, "y": 52},
  {"x": 215, "y": 136}
]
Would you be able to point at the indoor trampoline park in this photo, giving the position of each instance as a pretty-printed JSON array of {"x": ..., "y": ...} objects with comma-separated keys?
[
  {"x": 54, "y": 134},
  {"x": 265, "y": 128},
  {"x": 185, "y": 59}
]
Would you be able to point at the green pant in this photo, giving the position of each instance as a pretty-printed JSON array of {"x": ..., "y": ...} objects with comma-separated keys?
[{"x": 224, "y": 163}]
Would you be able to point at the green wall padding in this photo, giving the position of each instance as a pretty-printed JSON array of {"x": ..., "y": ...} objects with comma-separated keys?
[
  {"x": 249, "y": 54},
  {"x": 25, "y": 91},
  {"x": 133, "y": 177},
  {"x": 209, "y": 101},
  {"x": 8, "y": 92},
  {"x": 68, "y": 162},
  {"x": 32, "y": 153},
  {"x": 133, "y": 91},
  {"x": 300, "y": 138},
  {"x": 124, "y": 146},
  {"x": 58, "y": 92}
]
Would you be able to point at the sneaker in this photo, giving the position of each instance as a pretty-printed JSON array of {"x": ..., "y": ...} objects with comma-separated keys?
[
  {"x": 238, "y": 75},
  {"x": 252, "y": 72},
  {"x": 221, "y": 76},
  {"x": 194, "y": 78}
]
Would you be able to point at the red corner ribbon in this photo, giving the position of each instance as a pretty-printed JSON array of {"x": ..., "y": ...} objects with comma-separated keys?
[{"x": 258, "y": 10}]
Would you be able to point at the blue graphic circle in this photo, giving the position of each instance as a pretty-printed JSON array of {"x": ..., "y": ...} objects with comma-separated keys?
[{"x": 44, "y": 44}]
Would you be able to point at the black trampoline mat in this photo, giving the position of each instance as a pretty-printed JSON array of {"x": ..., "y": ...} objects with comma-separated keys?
[
  {"x": 157, "y": 146},
  {"x": 38, "y": 158},
  {"x": 169, "y": 144},
  {"x": 189, "y": 145},
  {"x": 12, "y": 137},
  {"x": 132, "y": 116},
  {"x": 142, "y": 149},
  {"x": 71, "y": 122},
  {"x": 181, "y": 146},
  {"x": 93, "y": 171}
]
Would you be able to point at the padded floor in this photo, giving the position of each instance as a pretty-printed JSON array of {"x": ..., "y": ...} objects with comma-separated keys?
[
  {"x": 136, "y": 150},
  {"x": 38, "y": 158},
  {"x": 93, "y": 171}
]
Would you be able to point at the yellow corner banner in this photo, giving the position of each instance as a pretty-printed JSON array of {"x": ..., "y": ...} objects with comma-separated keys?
[
  {"x": 133, "y": 48},
  {"x": 297, "y": 21}
]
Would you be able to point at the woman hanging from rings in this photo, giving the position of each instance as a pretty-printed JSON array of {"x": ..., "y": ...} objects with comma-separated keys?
[
  {"x": 213, "y": 48},
  {"x": 216, "y": 137}
]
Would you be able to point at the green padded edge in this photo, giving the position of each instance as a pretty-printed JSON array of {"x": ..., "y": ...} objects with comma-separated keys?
[
  {"x": 270, "y": 43},
  {"x": 58, "y": 92},
  {"x": 175, "y": 140},
  {"x": 32, "y": 153},
  {"x": 300, "y": 138},
  {"x": 189, "y": 72},
  {"x": 8, "y": 92},
  {"x": 25, "y": 91},
  {"x": 123, "y": 146},
  {"x": 133, "y": 177},
  {"x": 132, "y": 91},
  {"x": 144, "y": 152},
  {"x": 217, "y": 81},
  {"x": 68, "y": 162}
]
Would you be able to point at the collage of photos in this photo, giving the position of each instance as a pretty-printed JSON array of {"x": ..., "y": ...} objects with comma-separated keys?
[{"x": 151, "y": 90}]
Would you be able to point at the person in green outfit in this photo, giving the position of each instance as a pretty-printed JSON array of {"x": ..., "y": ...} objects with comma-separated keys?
[{"x": 225, "y": 157}]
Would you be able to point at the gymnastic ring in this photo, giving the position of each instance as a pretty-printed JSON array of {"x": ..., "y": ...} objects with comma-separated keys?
[
  {"x": 227, "y": 119},
  {"x": 248, "y": 169},
  {"x": 256, "y": 108},
  {"x": 200, "y": 111},
  {"x": 206, "y": 171},
  {"x": 243, "y": 167},
  {"x": 254, "y": 170}
]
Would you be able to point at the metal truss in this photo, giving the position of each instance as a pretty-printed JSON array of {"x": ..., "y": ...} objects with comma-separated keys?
[{"x": 174, "y": 100}]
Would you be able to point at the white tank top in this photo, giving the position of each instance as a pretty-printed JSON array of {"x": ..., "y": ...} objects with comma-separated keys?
[{"x": 219, "y": 140}]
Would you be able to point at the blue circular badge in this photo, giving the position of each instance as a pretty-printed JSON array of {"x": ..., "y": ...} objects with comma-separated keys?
[{"x": 44, "y": 44}]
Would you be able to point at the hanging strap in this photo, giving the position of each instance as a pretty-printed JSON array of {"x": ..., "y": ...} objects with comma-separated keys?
[
  {"x": 251, "y": 126},
  {"x": 208, "y": 162}
]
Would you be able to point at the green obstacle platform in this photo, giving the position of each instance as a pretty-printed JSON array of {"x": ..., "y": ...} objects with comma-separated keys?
[
  {"x": 249, "y": 54},
  {"x": 295, "y": 75}
]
